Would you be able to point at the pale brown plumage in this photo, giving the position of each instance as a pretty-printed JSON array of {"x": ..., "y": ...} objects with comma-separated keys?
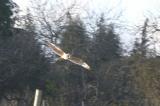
[
  {"x": 56, "y": 50},
  {"x": 67, "y": 56}
]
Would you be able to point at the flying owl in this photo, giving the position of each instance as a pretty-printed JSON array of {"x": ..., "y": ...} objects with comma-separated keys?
[{"x": 67, "y": 56}]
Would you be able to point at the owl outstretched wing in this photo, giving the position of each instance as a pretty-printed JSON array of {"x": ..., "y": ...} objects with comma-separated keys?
[
  {"x": 56, "y": 49},
  {"x": 79, "y": 61}
]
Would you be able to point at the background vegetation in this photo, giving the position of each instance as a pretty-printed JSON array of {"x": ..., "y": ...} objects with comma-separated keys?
[{"x": 118, "y": 78}]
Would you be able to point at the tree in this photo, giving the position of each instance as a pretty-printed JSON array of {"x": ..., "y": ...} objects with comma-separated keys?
[
  {"x": 22, "y": 65},
  {"x": 145, "y": 67},
  {"x": 106, "y": 42},
  {"x": 6, "y": 22},
  {"x": 74, "y": 40},
  {"x": 105, "y": 50},
  {"x": 141, "y": 44}
]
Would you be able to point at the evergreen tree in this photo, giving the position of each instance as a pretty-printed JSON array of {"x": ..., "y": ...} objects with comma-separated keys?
[
  {"x": 74, "y": 40},
  {"x": 106, "y": 42},
  {"x": 106, "y": 49},
  {"x": 6, "y": 21},
  {"x": 22, "y": 64},
  {"x": 141, "y": 44},
  {"x": 144, "y": 38}
]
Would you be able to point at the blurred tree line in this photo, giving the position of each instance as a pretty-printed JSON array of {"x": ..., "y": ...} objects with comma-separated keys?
[{"x": 115, "y": 79}]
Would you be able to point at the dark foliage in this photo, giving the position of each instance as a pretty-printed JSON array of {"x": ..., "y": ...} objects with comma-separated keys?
[
  {"x": 21, "y": 63},
  {"x": 6, "y": 20}
]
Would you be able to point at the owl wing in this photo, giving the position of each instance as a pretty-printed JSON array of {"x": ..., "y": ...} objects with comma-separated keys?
[
  {"x": 56, "y": 49},
  {"x": 79, "y": 61}
]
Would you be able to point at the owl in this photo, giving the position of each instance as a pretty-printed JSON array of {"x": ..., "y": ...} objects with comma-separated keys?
[{"x": 67, "y": 56}]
